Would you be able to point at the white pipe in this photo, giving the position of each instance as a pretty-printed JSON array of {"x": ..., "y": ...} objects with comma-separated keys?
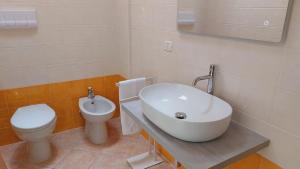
[
  {"x": 148, "y": 79},
  {"x": 129, "y": 99},
  {"x": 150, "y": 146},
  {"x": 154, "y": 151},
  {"x": 175, "y": 164}
]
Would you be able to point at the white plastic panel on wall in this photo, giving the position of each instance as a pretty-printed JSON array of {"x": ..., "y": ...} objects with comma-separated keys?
[{"x": 18, "y": 18}]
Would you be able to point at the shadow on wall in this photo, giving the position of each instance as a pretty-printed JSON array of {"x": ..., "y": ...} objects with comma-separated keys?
[{"x": 19, "y": 33}]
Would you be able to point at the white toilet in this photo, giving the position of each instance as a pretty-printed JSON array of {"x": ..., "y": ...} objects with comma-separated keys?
[
  {"x": 34, "y": 124},
  {"x": 96, "y": 112}
]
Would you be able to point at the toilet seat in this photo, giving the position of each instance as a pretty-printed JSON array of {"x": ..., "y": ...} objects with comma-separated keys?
[
  {"x": 35, "y": 124},
  {"x": 32, "y": 118}
]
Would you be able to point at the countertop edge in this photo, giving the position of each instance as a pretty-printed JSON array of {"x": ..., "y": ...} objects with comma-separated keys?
[{"x": 222, "y": 164}]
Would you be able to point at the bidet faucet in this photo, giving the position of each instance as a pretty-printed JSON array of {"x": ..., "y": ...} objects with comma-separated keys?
[
  {"x": 209, "y": 77},
  {"x": 91, "y": 94}
]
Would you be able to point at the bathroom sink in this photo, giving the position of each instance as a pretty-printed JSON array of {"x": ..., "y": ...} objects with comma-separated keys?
[{"x": 185, "y": 112}]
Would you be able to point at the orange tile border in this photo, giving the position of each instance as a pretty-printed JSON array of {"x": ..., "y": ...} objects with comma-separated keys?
[
  {"x": 267, "y": 164},
  {"x": 250, "y": 162},
  {"x": 62, "y": 97}
]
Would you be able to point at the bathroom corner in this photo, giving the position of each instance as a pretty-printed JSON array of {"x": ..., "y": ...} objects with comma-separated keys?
[{"x": 52, "y": 52}]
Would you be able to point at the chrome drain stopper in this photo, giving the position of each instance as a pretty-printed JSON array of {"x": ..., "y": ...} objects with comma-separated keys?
[{"x": 180, "y": 115}]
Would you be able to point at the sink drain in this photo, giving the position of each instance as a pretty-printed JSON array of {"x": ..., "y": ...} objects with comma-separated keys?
[{"x": 180, "y": 115}]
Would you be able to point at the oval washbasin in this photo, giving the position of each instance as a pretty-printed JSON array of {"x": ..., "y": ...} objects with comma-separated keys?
[{"x": 185, "y": 112}]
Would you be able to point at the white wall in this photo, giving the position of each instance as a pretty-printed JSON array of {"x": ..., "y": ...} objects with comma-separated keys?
[
  {"x": 75, "y": 39},
  {"x": 123, "y": 36},
  {"x": 260, "y": 80}
]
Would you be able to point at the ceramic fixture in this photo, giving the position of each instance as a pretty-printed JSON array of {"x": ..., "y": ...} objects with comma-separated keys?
[
  {"x": 185, "y": 112},
  {"x": 34, "y": 124},
  {"x": 96, "y": 112}
]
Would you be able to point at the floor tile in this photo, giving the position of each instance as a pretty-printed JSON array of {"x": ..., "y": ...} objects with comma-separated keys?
[
  {"x": 76, "y": 159},
  {"x": 68, "y": 139},
  {"x": 72, "y": 150},
  {"x": 16, "y": 157},
  {"x": 118, "y": 161}
]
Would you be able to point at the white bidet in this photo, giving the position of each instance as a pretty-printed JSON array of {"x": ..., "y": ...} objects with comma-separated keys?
[{"x": 96, "y": 112}]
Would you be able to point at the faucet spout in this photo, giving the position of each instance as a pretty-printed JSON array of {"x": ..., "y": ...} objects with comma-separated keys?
[
  {"x": 209, "y": 77},
  {"x": 91, "y": 94},
  {"x": 200, "y": 78}
]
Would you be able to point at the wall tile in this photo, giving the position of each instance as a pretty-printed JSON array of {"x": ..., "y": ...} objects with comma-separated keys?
[
  {"x": 3, "y": 103},
  {"x": 285, "y": 111},
  {"x": 290, "y": 77},
  {"x": 74, "y": 40},
  {"x": 7, "y": 136},
  {"x": 267, "y": 164},
  {"x": 282, "y": 144},
  {"x": 4, "y": 118},
  {"x": 250, "y": 162}
]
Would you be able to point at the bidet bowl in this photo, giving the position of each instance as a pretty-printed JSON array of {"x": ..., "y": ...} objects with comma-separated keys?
[
  {"x": 185, "y": 112},
  {"x": 96, "y": 112}
]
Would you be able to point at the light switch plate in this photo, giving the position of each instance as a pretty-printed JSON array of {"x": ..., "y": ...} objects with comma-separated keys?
[{"x": 168, "y": 46}]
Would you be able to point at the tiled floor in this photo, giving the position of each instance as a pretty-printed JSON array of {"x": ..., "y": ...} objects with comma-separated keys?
[{"x": 73, "y": 151}]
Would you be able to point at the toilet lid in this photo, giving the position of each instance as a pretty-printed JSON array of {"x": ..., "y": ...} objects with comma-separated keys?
[{"x": 32, "y": 117}]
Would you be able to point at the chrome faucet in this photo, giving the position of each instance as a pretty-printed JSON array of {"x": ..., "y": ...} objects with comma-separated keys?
[
  {"x": 91, "y": 94},
  {"x": 209, "y": 77}
]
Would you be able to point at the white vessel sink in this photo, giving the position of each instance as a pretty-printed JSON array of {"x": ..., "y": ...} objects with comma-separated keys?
[{"x": 200, "y": 116}]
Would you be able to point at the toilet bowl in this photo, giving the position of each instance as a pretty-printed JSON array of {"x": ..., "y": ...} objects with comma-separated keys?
[
  {"x": 96, "y": 112},
  {"x": 34, "y": 124}
]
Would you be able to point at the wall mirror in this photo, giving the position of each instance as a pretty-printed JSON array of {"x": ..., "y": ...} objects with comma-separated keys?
[{"x": 262, "y": 20}]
